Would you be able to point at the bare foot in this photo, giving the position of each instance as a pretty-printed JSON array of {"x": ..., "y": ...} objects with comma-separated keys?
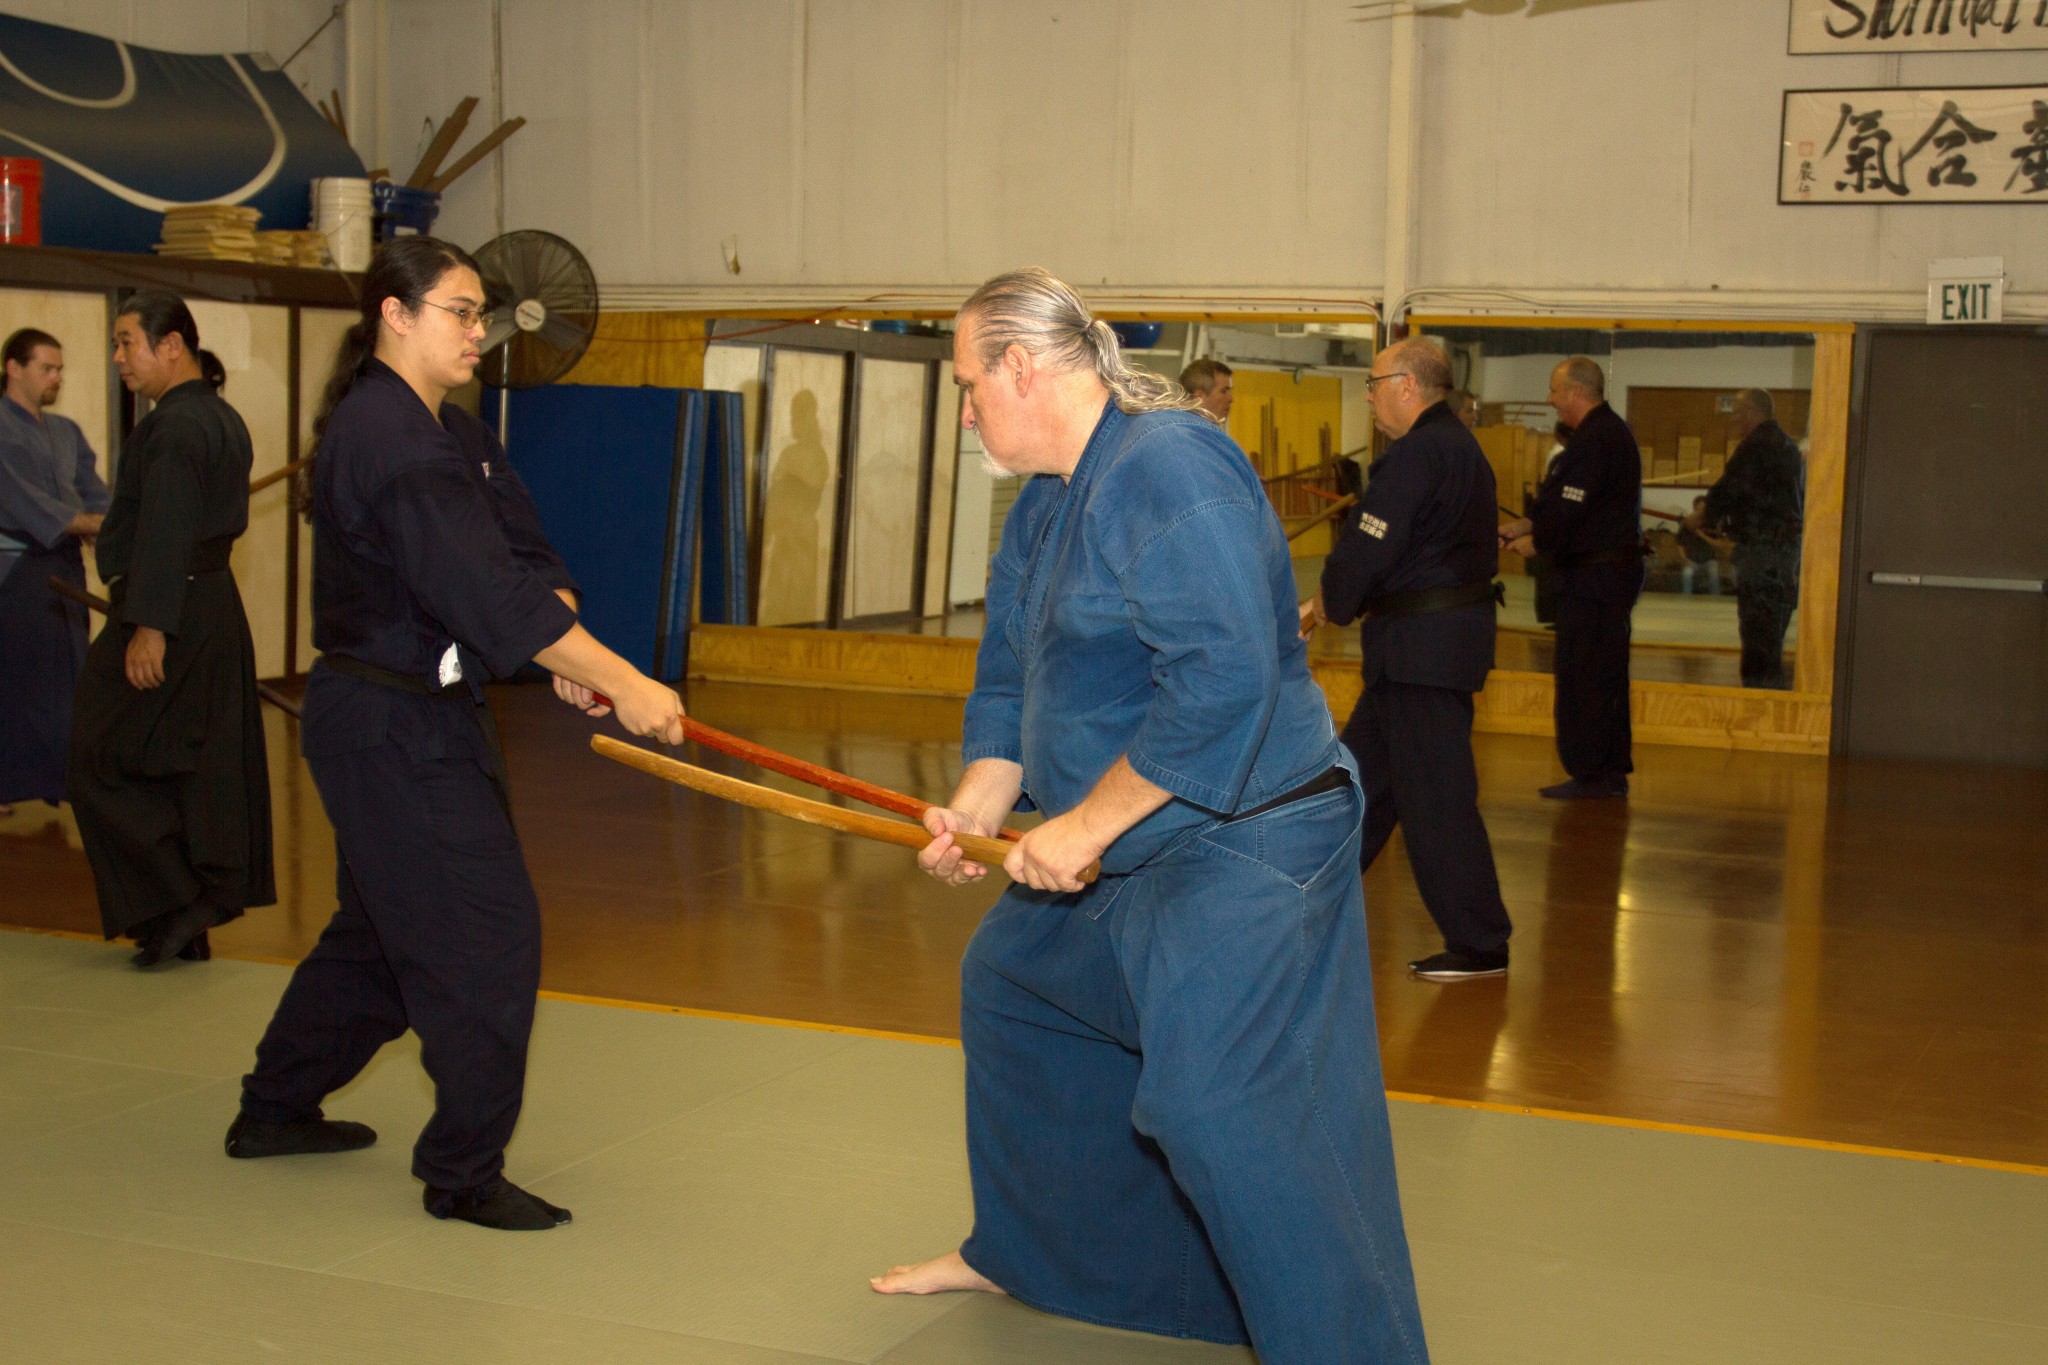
[{"x": 940, "y": 1275}]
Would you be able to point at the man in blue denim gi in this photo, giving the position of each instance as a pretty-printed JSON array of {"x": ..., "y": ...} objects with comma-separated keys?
[{"x": 1175, "y": 1119}]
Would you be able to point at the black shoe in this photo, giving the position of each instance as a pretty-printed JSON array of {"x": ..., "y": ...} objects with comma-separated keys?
[
  {"x": 498, "y": 1203},
  {"x": 1586, "y": 788},
  {"x": 181, "y": 929},
  {"x": 1453, "y": 965},
  {"x": 198, "y": 950},
  {"x": 249, "y": 1137}
]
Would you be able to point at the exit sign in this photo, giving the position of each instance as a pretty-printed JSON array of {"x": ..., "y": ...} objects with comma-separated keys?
[{"x": 1965, "y": 290}]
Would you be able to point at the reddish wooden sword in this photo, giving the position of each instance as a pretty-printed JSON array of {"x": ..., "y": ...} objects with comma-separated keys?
[{"x": 775, "y": 761}]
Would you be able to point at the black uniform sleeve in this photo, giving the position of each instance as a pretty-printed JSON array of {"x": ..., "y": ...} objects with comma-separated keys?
[
  {"x": 1373, "y": 538},
  {"x": 168, "y": 516},
  {"x": 1728, "y": 500},
  {"x": 521, "y": 520},
  {"x": 1567, "y": 497},
  {"x": 448, "y": 546}
]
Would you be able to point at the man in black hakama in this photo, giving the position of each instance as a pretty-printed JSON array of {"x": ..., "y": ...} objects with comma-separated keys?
[
  {"x": 168, "y": 774},
  {"x": 51, "y": 497}
]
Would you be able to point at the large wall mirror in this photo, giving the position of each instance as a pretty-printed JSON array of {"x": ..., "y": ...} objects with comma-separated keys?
[
  {"x": 872, "y": 510},
  {"x": 873, "y": 513},
  {"x": 1680, "y": 389}
]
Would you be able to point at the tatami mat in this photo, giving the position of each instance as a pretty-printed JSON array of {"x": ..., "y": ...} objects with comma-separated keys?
[{"x": 734, "y": 1184}]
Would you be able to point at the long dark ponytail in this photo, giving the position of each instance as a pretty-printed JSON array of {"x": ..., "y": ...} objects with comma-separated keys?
[
  {"x": 162, "y": 314},
  {"x": 404, "y": 268}
]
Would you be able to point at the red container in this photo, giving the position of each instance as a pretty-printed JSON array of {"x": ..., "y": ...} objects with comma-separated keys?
[{"x": 21, "y": 200}]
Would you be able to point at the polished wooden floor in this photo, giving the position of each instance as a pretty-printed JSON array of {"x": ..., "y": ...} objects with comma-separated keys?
[{"x": 1852, "y": 952}]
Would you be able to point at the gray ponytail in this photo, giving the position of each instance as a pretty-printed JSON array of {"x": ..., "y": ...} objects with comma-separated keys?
[{"x": 1033, "y": 309}]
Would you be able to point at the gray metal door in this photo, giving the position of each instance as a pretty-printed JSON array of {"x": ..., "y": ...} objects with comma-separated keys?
[{"x": 1944, "y": 626}]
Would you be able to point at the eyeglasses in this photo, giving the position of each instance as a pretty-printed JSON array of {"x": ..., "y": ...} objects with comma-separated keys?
[
  {"x": 1383, "y": 378},
  {"x": 468, "y": 317}
]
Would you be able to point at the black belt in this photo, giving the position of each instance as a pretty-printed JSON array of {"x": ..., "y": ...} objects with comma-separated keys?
[
  {"x": 412, "y": 682},
  {"x": 208, "y": 556},
  {"x": 1436, "y": 599},
  {"x": 384, "y": 677},
  {"x": 211, "y": 556},
  {"x": 1329, "y": 781},
  {"x": 1632, "y": 555}
]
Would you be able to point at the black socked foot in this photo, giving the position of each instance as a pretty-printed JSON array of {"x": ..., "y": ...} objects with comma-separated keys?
[
  {"x": 180, "y": 931},
  {"x": 1453, "y": 965},
  {"x": 498, "y": 1203},
  {"x": 249, "y": 1137},
  {"x": 1586, "y": 788}
]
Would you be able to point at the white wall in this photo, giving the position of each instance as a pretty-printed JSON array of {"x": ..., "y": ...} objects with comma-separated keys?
[
  {"x": 887, "y": 143},
  {"x": 1636, "y": 145},
  {"x": 846, "y": 149}
]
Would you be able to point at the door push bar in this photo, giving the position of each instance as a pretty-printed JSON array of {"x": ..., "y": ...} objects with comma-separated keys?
[{"x": 1941, "y": 580}]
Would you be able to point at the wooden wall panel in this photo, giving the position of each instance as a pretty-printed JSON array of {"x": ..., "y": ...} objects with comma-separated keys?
[
  {"x": 1827, "y": 461},
  {"x": 807, "y": 388},
  {"x": 845, "y": 659},
  {"x": 945, "y": 465},
  {"x": 882, "y": 549},
  {"x": 253, "y": 342},
  {"x": 1513, "y": 703},
  {"x": 630, "y": 349}
]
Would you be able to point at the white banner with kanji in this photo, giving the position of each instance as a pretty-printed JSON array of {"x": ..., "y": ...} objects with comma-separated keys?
[
  {"x": 1865, "y": 26},
  {"x": 1970, "y": 145}
]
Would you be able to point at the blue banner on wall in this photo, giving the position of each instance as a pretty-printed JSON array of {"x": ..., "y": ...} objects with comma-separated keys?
[{"x": 125, "y": 132}]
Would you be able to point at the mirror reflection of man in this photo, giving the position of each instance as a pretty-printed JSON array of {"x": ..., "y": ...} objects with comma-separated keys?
[
  {"x": 1464, "y": 405},
  {"x": 1587, "y": 520},
  {"x": 1416, "y": 560},
  {"x": 1760, "y": 503},
  {"x": 51, "y": 502},
  {"x": 1208, "y": 383},
  {"x": 1701, "y": 572}
]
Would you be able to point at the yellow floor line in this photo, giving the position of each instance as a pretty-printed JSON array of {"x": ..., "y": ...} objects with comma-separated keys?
[
  {"x": 1485, "y": 1106},
  {"x": 750, "y": 1018},
  {"x": 1737, "y": 1134}
]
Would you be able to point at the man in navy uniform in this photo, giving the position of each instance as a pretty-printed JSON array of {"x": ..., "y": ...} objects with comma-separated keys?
[
  {"x": 51, "y": 500},
  {"x": 1416, "y": 561},
  {"x": 1588, "y": 522}
]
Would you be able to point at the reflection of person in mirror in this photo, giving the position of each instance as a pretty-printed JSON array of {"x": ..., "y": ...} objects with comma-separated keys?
[
  {"x": 1760, "y": 502},
  {"x": 1587, "y": 520},
  {"x": 1701, "y": 572},
  {"x": 1416, "y": 560},
  {"x": 1208, "y": 383},
  {"x": 793, "y": 562},
  {"x": 1175, "y": 1120},
  {"x": 1540, "y": 568},
  {"x": 1464, "y": 406}
]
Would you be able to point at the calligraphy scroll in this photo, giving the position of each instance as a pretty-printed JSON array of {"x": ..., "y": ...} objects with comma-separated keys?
[
  {"x": 1966, "y": 145},
  {"x": 1859, "y": 26}
]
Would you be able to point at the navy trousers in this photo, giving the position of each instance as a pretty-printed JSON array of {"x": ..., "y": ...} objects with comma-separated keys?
[
  {"x": 1414, "y": 750},
  {"x": 42, "y": 649},
  {"x": 1175, "y": 1117},
  {"x": 1594, "y": 735},
  {"x": 438, "y": 930}
]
